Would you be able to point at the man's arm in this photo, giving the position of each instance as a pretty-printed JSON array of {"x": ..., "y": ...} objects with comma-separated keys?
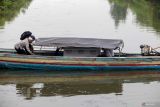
[{"x": 28, "y": 49}]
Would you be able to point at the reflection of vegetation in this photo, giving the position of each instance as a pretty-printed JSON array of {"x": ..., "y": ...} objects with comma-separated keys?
[
  {"x": 9, "y": 9},
  {"x": 68, "y": 89},
  {"x": 30, "y": 84},
  {"x": 48, "y": 86},
  {"x": 147, "y": 12},
  {"x": 72, "y": 89},
  {"x": 118, "y": 12}
]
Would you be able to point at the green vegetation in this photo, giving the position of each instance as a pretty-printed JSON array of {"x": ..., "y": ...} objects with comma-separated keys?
[
  {"x": 118, "y": 11},
  {"x": 147, "y": 12},
  {"x": 9, "y": 9}
]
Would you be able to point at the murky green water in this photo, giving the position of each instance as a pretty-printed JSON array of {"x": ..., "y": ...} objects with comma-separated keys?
[{"x": 135, "y": 21}]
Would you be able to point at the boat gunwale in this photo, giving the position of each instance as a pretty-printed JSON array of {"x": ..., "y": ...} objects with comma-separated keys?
[{"x": 79, "y": 62}]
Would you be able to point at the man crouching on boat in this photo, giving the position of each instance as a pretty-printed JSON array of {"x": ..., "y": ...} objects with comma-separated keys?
[{"x": 25, "y": 45}]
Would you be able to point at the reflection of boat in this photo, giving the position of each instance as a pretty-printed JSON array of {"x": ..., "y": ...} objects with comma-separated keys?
[
  {"x": 75, "y": 57},
  {"x": 67, "y": 89},
  {"x": 32, "y": 76},
  {"x": 35, "y": 84}
]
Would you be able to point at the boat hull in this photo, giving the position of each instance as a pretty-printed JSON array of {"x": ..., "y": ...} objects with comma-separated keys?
[
  {"x": 49, "y": 67},
  {"x": 61, "y": 63}
]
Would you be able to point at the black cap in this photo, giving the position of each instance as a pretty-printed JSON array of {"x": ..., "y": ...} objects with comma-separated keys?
[{"x": 25, "y": 34}]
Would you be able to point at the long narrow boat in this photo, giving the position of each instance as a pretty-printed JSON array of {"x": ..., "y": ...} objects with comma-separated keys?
[
  {"x": 10, "y": 60},
  {"x": 44, "y": 60}
]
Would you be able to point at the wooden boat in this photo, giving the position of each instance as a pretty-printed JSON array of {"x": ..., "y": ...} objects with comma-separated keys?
[{"x": 45, "y": 60}]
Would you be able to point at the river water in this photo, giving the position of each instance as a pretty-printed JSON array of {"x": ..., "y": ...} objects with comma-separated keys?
[
  {"x": 80, "y": 89},
  {"x": 133, "y": 21},
  {"x": 136, "y": 22}
]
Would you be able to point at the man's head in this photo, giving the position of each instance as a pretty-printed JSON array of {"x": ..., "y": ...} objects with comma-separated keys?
[
  {"x": 33, "y": 37},
  {"x": 30, "y": 39}
]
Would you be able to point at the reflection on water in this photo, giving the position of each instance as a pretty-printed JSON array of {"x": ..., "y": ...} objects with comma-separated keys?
[
  {"x": 147, "y": 12},
  {"x": 118, "y": 12},
  {"x": 32, "y": 83},
  {"x": 81, "y": 89},
  {"x": 67, "y": 89},
  {"x": 78, "y": 18},
  {"x": 109, "y": 19},
  {"x": 9, "y": 9}
]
